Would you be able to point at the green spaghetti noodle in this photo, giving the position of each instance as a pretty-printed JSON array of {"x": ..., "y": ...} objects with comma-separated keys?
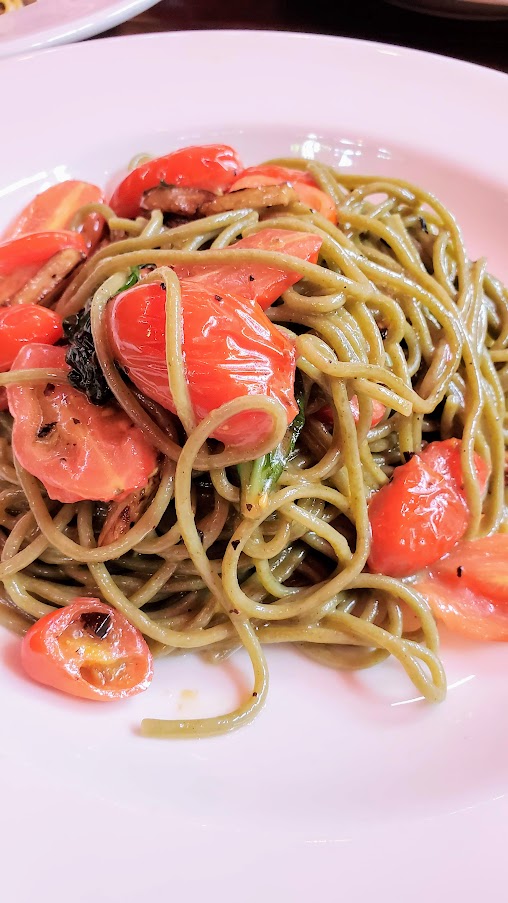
[{"x": 394, "y": 312}]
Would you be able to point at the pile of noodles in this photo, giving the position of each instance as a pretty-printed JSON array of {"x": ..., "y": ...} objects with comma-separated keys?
[{"x": 395, "y": 312}]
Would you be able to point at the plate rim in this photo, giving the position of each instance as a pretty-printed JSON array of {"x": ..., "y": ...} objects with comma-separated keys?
[{"x": 334, "y": 851}]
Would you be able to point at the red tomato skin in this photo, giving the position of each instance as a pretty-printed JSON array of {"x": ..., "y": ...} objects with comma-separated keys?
[
  {"x": 257, "y": 282},
  {"x": 317, "y": 200},
  {"x": 45, "y": 661},
  {"x": 24, "y": 324},
  {"x": 303, "y": 183},
  {"x": 325, "y": 414},
  {"x": 94, "y": 453},
  {"x": 54, "y": 208},
  {"x": 37, "y": 248},
  {"x": 468, "y": 589},
  {"x": 212, "y": 167},
  {"x": 269, "y": 174},
  {"x": 464, "y": 611},
  {"x": 231, "y": 350},
  {"x": 415, "y": 519},
  {"x": 444, "y": 458}
]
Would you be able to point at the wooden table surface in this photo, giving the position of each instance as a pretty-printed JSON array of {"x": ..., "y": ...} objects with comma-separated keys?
[{"x": 484, "y": 42}]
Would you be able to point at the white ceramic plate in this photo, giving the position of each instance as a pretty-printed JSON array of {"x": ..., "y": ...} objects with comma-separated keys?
[
  {"x": 345, "y": 786},
  {"x": 50, "y": 22}
]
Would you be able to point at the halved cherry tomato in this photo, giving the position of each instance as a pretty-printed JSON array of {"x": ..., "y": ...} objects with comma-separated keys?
[
  {"x": 415, "y": 520},
  {"x": 325, "y": 414},
  {"x": 302, "y": 182},
  {"x": 24, "y": 324},
  {"x": 211, "y": 167},
  {"x": 14, "y": 282},
  {"x": 77, "y": 450},
  {"x": 444, "y": 458},
  {"x": 256, "y": 281},
  {"x": 231, "y": 349},
  {"x": 53, "y": 209},
  {"x": 89, "y": 650},
  {"x": 270, "y": 174},
  {"x": 468, "y": 589},
  {"x": 37, "y": 248},
  {"x": 317, "y": 200}
]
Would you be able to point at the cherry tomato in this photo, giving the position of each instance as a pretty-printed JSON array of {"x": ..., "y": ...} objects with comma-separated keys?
[
  {"x": 325, "y": 414},
  {"x": 231, "y": 350},
  {"x": 76, "y": 449},
  {"x": 303, "y": 183},
  {"x": 468, "y": 589},
  {"x": 37, "y": 248},
  {"x": 211, "y": 167},
  {"x": 23, "y": 324},
  {"x": 53, "y": 209},
  {"x": 444, "y": 458},
  {"x": 270, "y": 174},
  {"x": 89, "y": 650},
  {"x": 317, "y": 200},
  {"x": 256, "y": 281},
  {"x": 415, "y": 519}
]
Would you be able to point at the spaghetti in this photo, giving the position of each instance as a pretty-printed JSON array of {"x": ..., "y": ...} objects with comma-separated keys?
[{"x": 395, "y": 314}]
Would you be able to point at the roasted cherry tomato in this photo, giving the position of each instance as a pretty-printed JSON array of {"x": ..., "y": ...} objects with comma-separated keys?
[
  {"x": 23, "y": 324},
  {"x": 231, "y": 349},
  {"x": 468, "y": 589},
  {"x": 89, "y": 650},
  {"x": 302, "y": 182},
  {"x": 256, "y": 281},
  {"x": 211, "y": 167},
  {"x": 271, "y": 174},
  {"x": 415, "y": 519},
  {"x": 325, "y": 414},
  {"x": 53, "y": 210},
  {"x": 76, "y": 449},
  {"x": 37, "y": 248},
  {"x": 444, "y": 458}
]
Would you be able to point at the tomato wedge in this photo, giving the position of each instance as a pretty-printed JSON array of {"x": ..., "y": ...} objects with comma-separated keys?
[
  {"x": 415, "y": 520},
  {"x": 257, "y": 282},
  {"x": 24, "y": 324},
  {"x": 88, "y": 649},
  {"x": 305, "y": 186},
  {"x": 37, "y": 248},
  {"x": 231, "y": 350},
  {"x": 77, "y": 450},
  {"x": 468, "y": 589},
  {"x": 269, "y": 174},
  {"x": 54, "y": 208},
  {"x": 325, "y": 414},
  {"x": 211, "y": 167}
]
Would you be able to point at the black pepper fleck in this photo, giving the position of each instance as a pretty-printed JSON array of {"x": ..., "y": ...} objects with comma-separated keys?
[
  {"x": 249, "y": 507},
  {"x": 459, "y": 571},
  {"x": 218, "y": 297},
  {"x": 45, "y": 430},
  {"x": 235, "y": 543},
  {"x": 251, "y": 278},
  {"x": 98, "y": 622}
]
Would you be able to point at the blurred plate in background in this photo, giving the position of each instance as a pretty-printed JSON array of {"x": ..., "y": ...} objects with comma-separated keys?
[
  {"x": 459, "y": 9},
  {"x": 49, "y": 22}
]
